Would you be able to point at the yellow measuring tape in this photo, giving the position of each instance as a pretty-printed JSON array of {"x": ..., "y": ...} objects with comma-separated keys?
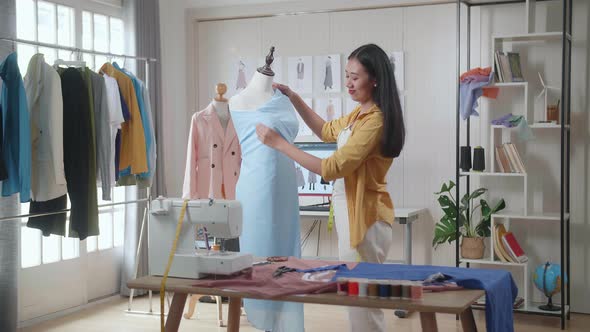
[
  {"x": 170, "y": 259},
  {"x": 331, "y": 217}
]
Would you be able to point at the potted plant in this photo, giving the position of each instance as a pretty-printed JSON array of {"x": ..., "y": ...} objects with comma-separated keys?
[{"x": 472, "y": 229}]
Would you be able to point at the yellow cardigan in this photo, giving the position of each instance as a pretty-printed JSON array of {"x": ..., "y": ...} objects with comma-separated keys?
[{"x": 363, "y": 168}]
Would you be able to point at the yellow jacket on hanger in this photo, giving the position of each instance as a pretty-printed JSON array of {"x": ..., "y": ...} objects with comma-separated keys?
[{"x": 133, "y": 148}]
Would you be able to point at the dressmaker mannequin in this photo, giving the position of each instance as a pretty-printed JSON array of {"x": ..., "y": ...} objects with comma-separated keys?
[
  {"x": 220, "y": 105},
  {"x": 258, "y": 91}
]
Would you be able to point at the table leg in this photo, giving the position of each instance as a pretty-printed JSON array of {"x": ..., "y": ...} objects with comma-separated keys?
[
  {"x": 192, "y": 305},
  {"x": 468, "y": 321},
  {"x": 218, "y": 301},
  {"x": 175, "y": 313},
  {"x": 428, "y": 321},
  {"x": 233, "y": 315}
]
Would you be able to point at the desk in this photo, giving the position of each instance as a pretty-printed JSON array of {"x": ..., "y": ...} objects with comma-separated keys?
[
  {"x": 451, "y": 302},
  {"x": 404, "y": 216}
]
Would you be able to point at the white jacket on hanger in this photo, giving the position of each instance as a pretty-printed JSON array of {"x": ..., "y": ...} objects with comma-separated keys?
[{"x": 44, "y": 97}]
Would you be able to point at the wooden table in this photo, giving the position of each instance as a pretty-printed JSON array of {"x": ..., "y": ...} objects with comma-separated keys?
[{"x": 450, "y": 302}]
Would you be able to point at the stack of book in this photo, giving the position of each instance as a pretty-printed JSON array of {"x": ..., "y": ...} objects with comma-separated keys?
[
  {"x": 507, "y": 67},
  {"x": 508, "y": 159},
  {"x": 506, "y": 247}
]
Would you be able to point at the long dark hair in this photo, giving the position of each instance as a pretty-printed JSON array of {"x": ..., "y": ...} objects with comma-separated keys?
[{"x": 385, "y": 95}]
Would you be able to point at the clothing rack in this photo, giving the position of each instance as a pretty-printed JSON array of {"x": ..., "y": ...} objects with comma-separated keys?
[{"x": 79, "y": 51}]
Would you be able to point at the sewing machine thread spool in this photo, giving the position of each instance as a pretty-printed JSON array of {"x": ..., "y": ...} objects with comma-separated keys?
[
  {"x": 479, "y": 163},
  {"x": 416, "y": 291},
  {"x": 384, "y": 289},
  {"x": 342, "y": 284},
  {"x": 465, "y": 163},
  {"x": 353, "y": 288},
  {"x": 373, "y": 289},
  {"x": 406, "y": 290},
  {"x": 396, "y": 290},
  {"x": 363, "y": 287}
]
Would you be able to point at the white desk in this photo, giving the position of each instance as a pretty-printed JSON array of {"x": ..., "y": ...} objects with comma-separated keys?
[{"x": 404, "y": 216}]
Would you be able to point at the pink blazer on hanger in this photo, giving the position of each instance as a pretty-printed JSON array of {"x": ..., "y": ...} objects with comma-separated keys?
[{"x": 213, "y": 158}]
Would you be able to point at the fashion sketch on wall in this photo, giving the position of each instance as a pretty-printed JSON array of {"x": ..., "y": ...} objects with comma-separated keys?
[
  {"x": 329, "y": 108},
  {"x": 328, "y": 75},
  {"x": 300, "y": 74},
  {"x": 397, "y": 61},
  {"x": 305, "y": 132},
  {"x": 243, "y": 69}
]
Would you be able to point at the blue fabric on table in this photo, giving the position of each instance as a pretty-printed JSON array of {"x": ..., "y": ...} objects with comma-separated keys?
[{"x": 499, "y": 286}]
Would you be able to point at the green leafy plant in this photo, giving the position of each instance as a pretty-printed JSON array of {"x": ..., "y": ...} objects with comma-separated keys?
[{"x": 446, "y": 230}]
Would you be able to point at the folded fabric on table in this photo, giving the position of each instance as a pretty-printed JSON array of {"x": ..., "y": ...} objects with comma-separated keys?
[
  {"x": 498, "y": 284},
  {"x": 260, "y": 281}
]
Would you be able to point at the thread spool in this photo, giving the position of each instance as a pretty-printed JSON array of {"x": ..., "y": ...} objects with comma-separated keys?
[
  {"x": 479, "y": 162},
  {"x": 396, "y": 290},
  {"x": 416, "y": 291},
  {"x": 363, "y": 287},
  {"x": 406, "y": 291},
  {"x": 353, "y": 288},
  {"x": 342, "y": 286},
  {"x": 465, "y": 163},
  {"x": 373, "y": 289},
  {"x": 384, "y": 289}
]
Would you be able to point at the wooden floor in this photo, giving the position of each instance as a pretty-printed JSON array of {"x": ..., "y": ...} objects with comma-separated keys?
[{"x": 111, "y": 317}]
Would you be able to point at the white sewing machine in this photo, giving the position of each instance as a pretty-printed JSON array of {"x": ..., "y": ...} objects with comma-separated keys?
[{"x": 222, "y": 218}]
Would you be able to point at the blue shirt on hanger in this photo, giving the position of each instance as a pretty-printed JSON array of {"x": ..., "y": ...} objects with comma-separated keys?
[{"x": 16, "y": 149}]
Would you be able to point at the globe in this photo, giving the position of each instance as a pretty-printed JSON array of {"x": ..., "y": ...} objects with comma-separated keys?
[{"x": 547, "y": 279}]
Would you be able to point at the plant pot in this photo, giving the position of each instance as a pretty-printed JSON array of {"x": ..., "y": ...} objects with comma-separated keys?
[{"x": 472, "y": 247}]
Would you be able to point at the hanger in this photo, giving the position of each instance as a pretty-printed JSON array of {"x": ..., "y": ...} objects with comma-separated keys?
[{"x": 60, "y": 62}]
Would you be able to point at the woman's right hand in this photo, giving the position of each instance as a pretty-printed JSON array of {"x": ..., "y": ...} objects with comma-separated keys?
[{"x": 284, "y": 89}]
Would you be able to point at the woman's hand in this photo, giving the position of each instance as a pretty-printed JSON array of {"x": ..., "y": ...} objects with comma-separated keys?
[
  {"x": 269, "y": 137},
  {"x": 284, "y": 89}
]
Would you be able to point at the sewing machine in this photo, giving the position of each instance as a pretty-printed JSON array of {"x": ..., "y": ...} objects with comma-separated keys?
[{"x": 221, "y": 218}]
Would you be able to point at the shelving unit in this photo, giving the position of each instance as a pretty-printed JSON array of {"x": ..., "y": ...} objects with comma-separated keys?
[{"x": 498, "y": 135}]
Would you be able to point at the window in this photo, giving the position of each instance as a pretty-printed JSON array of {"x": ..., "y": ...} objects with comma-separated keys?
[{"x": 51, "y": 23}]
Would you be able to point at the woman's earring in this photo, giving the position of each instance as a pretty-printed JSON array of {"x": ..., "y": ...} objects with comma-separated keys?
[{"x": 375, "y": 85}]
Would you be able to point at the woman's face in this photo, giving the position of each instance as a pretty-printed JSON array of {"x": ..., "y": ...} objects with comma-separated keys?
[{"x": 360, "y": 86}]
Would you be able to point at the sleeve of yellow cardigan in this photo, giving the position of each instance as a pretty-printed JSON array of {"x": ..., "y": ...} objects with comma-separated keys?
[
  {"x": 366, "y": 137},
  {"x": 331, "y": 129}
]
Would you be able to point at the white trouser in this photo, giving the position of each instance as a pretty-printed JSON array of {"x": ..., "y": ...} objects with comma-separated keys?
[{"x": 374, "y": 249}]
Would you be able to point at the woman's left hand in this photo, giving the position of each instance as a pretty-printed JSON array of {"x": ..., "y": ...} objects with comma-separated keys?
[{"x": 268, "y": 136}]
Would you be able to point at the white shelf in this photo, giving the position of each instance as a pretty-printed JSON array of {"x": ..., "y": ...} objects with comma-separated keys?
[
  {"x": 487, "y": 261},
  {"x": 493, "y": 174},
  {"x": 509, "y": 84},
  {"x": 534, "y": 216},
  {"x": 533, "y": 126},
  {"x": 529, "y": 307},
  {"x": 527, "y": 37}
]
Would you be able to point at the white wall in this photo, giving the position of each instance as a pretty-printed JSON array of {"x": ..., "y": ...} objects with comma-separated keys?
[{"x": 430, "y": 51}]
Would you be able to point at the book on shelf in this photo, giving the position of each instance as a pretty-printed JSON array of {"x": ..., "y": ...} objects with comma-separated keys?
[
  {"x": 515, "y": 68},
  {"x": 508, "y": 67},
  {"x": 499, "y": 249},
  {"x": 513, "y": 248},
  {"x": 518, "y": 302},
  {"x": 513, "y": 162},
  {"x": 502, "y": 160}
]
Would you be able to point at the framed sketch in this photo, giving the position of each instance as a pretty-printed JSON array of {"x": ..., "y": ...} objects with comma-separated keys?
[
  {"x": 328, "y": 108},
  {"x": 328, "y": 73},
  {"x": 242, "y": 71},
  {"x": 300, "y": 74},
  {"x": 397, "y": 61}
]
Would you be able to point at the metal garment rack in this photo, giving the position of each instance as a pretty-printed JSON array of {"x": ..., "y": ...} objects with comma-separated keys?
[
  {"x": 80, "y": 51},
  {"x": 565, "y": 132}
]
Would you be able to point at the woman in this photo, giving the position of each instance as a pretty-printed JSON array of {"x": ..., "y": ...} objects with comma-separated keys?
[{"x": 368, "y": 140}]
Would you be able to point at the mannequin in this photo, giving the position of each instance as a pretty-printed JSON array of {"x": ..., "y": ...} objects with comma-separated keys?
[
  {"x": 268, "y": 191},
  {"x": 259, "y": 90},
  {"x": 221, "y": 105}
]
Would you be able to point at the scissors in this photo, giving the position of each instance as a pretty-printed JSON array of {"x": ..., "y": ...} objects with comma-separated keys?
[{"x": 281, "y": 270}]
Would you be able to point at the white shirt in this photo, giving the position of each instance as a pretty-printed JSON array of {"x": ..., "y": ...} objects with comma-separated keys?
[{"x": 115, "y": 117}]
